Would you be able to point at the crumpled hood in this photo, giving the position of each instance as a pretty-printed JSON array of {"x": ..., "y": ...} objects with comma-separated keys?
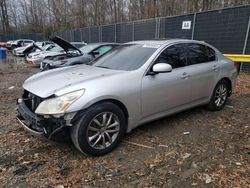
[
  {"x": 19, "y": 49},
  {"x": 33, "y": 54},
  {"x": 56, "y": 60},
  {"x": 42, "y": 54},
  {"x": 46, "y": 83}
]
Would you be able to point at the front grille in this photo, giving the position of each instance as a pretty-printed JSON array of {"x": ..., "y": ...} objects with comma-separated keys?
[{"x": 31, "y": 101}]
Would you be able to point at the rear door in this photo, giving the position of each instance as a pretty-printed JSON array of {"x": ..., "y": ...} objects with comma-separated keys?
[{"x": 204, "y": 70}]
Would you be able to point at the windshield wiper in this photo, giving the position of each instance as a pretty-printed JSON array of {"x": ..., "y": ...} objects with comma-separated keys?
[{"x": 103, "y": 67}]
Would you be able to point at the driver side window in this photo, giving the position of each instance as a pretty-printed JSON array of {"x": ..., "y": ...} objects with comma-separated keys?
[{"x": 173, "y": 55}]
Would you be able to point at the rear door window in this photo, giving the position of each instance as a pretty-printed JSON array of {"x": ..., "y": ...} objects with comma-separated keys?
[
  {"x": 197, "y": 53},
  {"x": 173, "y": 55}
]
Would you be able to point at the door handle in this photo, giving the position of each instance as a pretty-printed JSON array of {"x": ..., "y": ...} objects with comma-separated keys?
[
  {"x": 185, "y": 75},
  {"x": 215, "y": 68}
]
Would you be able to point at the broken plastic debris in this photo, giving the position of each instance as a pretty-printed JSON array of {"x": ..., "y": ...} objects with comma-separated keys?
[
  {"x": 208, "y": 179},
  {"x": 59, "y": 186},
  {"x": 238, "y": 163},
  {"x": 186, "y": 155}
]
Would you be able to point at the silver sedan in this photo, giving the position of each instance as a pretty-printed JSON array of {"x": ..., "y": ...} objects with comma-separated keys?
[{"x": 135, "y": 83}]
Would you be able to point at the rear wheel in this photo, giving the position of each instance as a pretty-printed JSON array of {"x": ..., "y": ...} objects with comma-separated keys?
[
  {"x": 99, "y": 130},
  {"x": 219, "y": 96}
]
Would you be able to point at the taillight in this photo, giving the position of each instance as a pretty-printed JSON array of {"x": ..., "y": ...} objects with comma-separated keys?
[{"x": 30, "y": 62}]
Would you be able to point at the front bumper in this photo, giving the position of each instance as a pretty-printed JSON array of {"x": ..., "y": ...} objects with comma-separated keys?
[
  {"x": 35, "y": 62},
  {"x": 20, "y": 54},
  {"x": 16, "y": 53},
  {"x": 49, "y": 127}
]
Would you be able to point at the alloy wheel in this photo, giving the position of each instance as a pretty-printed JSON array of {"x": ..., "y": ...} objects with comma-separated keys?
[
  {"x": 103, "y": 130},
  {"x": 220, "y": 95}
]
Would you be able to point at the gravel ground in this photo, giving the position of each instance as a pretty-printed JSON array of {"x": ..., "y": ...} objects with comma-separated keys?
[{"x": 195, "y": 148}]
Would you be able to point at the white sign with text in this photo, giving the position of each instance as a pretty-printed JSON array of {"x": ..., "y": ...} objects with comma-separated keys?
[{"x": 186, "y": 25}]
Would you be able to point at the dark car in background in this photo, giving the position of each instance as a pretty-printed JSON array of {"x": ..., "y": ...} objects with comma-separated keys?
[{"x": 88, "y": 53}]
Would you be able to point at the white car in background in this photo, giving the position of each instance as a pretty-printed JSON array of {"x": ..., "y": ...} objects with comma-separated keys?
[
  {"x": 18, "y": 43},
  {"x": 33, "y": 47},
  {"x": 61, "y": 49},
  {"x": 8, "y": 44},
  {"x": 36, "y": 58}
]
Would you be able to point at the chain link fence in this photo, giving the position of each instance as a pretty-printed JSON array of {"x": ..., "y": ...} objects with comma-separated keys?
[
  {"x": 226, "y": 29},
  {"x": 15, "y": 36}
]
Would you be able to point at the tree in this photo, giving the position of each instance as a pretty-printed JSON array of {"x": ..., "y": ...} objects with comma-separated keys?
[
  {"x": 4, "y": 16},
  {"x": 55, "y": 15}
]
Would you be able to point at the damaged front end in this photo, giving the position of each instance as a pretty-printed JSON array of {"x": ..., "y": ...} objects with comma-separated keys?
[{"x": 48, "y": 126}]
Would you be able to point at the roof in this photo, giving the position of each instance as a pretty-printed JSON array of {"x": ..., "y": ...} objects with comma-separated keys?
[
  {"x": 104, "y": 43},
  {"x": 160, "y": 41}
]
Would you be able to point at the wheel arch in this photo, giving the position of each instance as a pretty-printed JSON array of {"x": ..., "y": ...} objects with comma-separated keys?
[
  {"x": 229, "y": 82},
  {"x": 117, "y": 102}
]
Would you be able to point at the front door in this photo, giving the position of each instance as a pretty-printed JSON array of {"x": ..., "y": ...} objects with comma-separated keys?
[{"x": 165, "y": 91}]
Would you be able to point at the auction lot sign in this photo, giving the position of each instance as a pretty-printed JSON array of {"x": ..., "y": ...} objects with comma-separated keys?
[{"x": 186, "y": 24}]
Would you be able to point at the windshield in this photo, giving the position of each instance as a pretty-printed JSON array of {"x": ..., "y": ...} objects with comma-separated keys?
[
  {"x": 39, "y": 44},
  {"x": 46, "y": 46},
  {"x": 56, "y": 49},
  {"x": 125, "y": 57},
  {"x": 88, "y": 48}
]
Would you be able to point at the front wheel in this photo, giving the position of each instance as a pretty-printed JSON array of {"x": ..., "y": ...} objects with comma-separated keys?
[
  {"x": 219, "y": 96},
  {"x": 99, "y": 130},
  {"x": 47, "y": 67}
]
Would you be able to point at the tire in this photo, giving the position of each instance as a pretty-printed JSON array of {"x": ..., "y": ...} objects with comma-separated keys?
[
  {"x": 219, "y": 96},
  {"x": 89, "y": 133},
  {"x": 46, "y": 68}
]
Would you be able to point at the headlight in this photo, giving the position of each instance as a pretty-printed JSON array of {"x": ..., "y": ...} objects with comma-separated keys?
[
  {"x": 62, "y": 62},
  {"x": 59, "y": 104}
]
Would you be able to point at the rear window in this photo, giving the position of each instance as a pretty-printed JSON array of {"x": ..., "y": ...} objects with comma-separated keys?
[
  {"x": 78, "y": 44},
  {"x": 211, "y": 54},
  {"x": 28, "y": 41}
]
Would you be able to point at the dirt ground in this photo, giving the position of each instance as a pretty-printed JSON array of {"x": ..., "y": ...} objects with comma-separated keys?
[{"x": 195, "y": 148}]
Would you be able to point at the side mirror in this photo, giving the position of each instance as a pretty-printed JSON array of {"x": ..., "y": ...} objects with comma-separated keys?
[
  {"x": 95, "y": 53},
  {"x": 162, "y": 68}
]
